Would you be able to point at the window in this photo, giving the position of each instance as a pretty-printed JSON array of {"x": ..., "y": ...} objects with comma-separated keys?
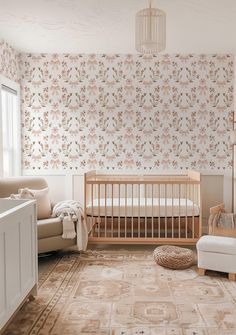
[{"x": 10, "y": 128}]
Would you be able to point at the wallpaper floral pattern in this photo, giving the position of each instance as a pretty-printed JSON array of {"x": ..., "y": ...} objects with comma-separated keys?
[
  {"x": 163, "y": 112},
  {"x": 9, "y": 61}
]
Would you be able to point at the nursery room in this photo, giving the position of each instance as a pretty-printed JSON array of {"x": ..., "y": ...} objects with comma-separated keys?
[{"x": 117, "y": 167}]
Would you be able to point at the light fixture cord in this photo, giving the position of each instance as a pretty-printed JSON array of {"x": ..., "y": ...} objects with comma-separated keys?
[{"x": 150, "y": 20}]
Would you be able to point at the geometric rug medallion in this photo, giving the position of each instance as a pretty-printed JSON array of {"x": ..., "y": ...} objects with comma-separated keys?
[{"x": 122, "y": 292}]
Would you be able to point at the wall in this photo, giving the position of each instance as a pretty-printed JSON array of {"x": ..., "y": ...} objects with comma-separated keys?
[
  {"x": 9, "y": 61},
  {"x": 163, "y": 113}
]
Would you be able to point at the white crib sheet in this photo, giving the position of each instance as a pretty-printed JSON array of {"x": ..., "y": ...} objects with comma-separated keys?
[{"x": 135, "y": 207}]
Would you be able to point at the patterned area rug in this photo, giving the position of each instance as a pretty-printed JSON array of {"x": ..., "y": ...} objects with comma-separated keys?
[{"x": 126, "y": 293}]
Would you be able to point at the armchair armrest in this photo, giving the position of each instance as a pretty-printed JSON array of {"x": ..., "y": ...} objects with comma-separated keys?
[
  {"x": 214, "y": 213},
  {"x": 217, "y": 209},
  {"x": 53, "y": 203}
]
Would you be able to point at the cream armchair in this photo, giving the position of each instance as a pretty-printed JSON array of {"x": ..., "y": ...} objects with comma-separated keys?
[{"x": 49, "y": 229}]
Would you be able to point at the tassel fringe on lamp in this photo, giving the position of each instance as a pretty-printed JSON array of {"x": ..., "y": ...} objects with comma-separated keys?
[{"x": 150, "y": 30}]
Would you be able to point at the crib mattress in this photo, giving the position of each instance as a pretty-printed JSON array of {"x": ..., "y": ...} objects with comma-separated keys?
[{"x": 149, "y": 207}]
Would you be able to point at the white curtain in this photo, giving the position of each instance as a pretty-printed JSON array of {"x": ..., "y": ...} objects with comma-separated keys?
[{"x": 10, "y": 130}]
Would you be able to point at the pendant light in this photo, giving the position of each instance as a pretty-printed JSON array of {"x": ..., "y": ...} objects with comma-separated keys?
[{"x": 150, "y": 30}]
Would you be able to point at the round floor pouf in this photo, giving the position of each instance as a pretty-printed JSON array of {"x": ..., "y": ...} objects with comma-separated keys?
[{"x": 173, "y": 257}]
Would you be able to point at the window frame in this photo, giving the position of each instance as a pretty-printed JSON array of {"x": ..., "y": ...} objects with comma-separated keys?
[{"x": 17, "y": 159}]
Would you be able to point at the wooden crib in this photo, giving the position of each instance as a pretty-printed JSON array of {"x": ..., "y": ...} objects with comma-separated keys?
[{"x": 158, "y": 209}]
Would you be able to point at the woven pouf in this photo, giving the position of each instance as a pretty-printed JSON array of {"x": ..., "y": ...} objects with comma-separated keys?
[{"x": 173, "y": 257}]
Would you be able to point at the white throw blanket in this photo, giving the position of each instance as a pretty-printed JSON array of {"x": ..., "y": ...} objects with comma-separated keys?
[{"x": 71, "y": 212}]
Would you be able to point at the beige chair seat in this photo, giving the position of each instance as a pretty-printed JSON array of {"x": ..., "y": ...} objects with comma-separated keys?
[{"x": 49, "y": 227}]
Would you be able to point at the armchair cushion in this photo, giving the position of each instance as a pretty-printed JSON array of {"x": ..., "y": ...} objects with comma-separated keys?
[
  {"x": 49, "y": 227},
  {"x": 44, "y": 210}
]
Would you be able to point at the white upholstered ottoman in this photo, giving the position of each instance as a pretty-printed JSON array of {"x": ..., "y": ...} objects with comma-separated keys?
[{"x": 217, "y": 253}]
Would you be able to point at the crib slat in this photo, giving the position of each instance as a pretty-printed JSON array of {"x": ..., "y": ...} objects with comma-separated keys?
[
  {"x": 152, "y": 214},
  {"x": 198, "y": 202},
  {"x": 92, "y": 208},
  {"x": 172, "y": 210},
  {"x": 179, "y": 207},
  {"x": 145, "y": 195},
  {"x": 139, "y": 210},
  {"x": 165, "y": 213},
  {"x": 112, "y": 211},
  {"x": 105, "y": 210},
  {"x": 119, "y": 211},
  {"x": 132, "y": 219},
  {"x": 186, "y": 210},
  {"x": 159, "y": 210},
  {"x": 99, "y": 216},
  {"x": 125, "y": 210},
  {"x": 193, "y": 187}
]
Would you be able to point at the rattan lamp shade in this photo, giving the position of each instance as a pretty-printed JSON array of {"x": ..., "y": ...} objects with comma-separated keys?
[{"x": 150, "y": 30}]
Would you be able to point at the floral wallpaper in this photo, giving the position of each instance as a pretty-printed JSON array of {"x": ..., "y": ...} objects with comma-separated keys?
[
  {"x": 9, "y": 59},
  {"x": 162, "y": 112}
]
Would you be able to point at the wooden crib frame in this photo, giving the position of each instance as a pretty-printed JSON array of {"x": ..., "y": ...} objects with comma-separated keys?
[{"x": 122, "y": 222}]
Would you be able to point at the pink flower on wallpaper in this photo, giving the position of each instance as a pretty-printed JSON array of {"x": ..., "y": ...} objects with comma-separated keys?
[
  {"x": 166, "y": 164},
  {"x": 203, "y": 137},
  {"x": 55, "y": 111},
  {"x": 55, "y": 62},
  {"x": 129, "y": 87},
  {"x": 92, "y": 136},
  {"x": 55, "y": 87},
  {"x": 129, "y": 62},
  {"x": 73, "y": 158},
  {"x": 166, "y": 87},
  {"x": 36, "y": 132},
  {"x": 166, "y": 62},
  {"x": 203, "y": 62},
  {"x": 36, "y": 158},
  {"x": 92, "y": 161},
  {"x": 129, "y": 136},
  {"x": 92, "y": 87},
  {"x": 165, "y": 137},
  {"x": 110, "y": 158},
  {"x": 55, "y": 136},
  {"x": 129, "y": 161},
  {"x": 74, "y": 132},
  {"x": 202, "y": 88},
  {"x": 55, "y": 161},
  {"x": 92, "y": 62}
]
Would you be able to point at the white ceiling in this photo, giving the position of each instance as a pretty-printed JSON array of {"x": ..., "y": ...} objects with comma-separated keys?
[{"x": 107, "y": 26}]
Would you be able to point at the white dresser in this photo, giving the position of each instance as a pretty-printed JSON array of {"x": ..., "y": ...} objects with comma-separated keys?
[{"x": 18, "y": 255}]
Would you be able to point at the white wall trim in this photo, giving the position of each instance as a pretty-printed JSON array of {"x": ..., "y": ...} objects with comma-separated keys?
[
  {"x": 69, "y": 186},
  {"x": 82, "y": 172}
]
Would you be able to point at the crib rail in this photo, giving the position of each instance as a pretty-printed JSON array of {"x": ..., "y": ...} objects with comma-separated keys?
[{"x": 143, "y": 208}]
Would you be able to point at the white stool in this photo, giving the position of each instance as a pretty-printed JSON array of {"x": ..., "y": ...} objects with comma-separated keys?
[{"x": 217, "y": 253}]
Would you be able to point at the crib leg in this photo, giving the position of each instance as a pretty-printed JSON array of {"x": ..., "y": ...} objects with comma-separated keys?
[
  {"x": 94, "y": 221},
  {"x": 201, "y": 272},
  {"x": 232, "y": 276}
]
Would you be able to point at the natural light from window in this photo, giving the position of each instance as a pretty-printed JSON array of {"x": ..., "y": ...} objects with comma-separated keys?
[{"x": 10, "y": 145}]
